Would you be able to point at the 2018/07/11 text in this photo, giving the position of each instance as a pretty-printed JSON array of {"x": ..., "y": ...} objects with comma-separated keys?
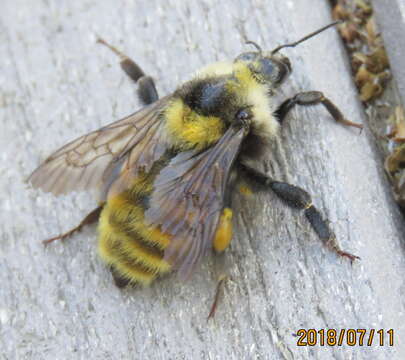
[{"x": 351, "y": 337}]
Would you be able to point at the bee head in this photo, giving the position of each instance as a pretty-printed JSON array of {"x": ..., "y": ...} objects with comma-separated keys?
[
  {"x": 271, "y": 67},
  {"x": 266, "y": 67}
]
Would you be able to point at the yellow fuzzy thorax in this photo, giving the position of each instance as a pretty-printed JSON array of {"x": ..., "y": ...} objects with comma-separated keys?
[
  {"x": 243, "y": 81},
  {"x": 189, "y": 130},
  {"x": 244, "y": 77},
  {"x": 254, "y": 93}
]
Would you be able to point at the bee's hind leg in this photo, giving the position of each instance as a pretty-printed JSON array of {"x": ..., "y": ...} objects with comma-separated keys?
[
  {"x": 147, "y": 92},
  {"x": 221, "y": 270},
  {"x": 90, "y": 218},
  {"x": 298, "y": 198},
  {"x": 313, "y": 98}
]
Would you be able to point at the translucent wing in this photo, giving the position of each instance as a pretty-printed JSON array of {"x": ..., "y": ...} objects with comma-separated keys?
[
  {"x": 97, "y": 158},
  {"x": 188, "y": 197}
]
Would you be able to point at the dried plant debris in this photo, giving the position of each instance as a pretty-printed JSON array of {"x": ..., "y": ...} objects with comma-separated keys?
[
  {"x": 396, "y": 127},
  {"x": 372, "y": 76},
  {"x": 395, "y": 167},
  {"x": 395, "y": 161},
  {"x": 368, "y": 57}
]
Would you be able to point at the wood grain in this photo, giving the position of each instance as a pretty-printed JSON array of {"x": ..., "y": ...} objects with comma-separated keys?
[{"x": 60, "y": 302}]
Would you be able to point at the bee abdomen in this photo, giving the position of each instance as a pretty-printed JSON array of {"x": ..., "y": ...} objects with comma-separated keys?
[{"x": 133, "y": 250}]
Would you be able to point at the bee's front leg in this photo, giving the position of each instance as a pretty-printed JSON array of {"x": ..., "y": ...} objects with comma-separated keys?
[
  {"x": 298, "y": 198},
  {"x": 147, "y": 92},
  {"x": 313, "y": 98}
]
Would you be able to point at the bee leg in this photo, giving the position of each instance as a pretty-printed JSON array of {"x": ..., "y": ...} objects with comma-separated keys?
[
  {"x": 313, "y": 98},
  {"x": 90, "y": 218},
  {"x": 221, "y": 241},
  {"x": 221, "y": 269},
  {"x": 218, "y": 293},
  {"x": 298, "y": 198},
  {"x": 147, "y": 92}
]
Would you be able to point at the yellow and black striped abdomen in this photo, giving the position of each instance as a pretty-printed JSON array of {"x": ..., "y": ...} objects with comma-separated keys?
[{"x": 131, "y": 248}]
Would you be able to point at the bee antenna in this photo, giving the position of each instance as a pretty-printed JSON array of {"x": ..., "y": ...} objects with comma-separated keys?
[
  {"x": 256, "y": 45},
  {"x": 306, "y": 37}
]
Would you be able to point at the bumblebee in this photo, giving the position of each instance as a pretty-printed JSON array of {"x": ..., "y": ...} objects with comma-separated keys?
[{"x": 166, "y": 173}]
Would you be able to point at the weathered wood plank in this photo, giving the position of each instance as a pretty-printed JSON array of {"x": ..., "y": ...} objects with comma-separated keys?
[
  {"x": 391, "y": 21},
  {"x": 60, "y": 302}
]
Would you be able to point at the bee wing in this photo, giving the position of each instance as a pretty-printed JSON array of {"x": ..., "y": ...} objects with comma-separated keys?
[
  {"x": 97, "y": 158},
  {"x": 188, "y": 198}
]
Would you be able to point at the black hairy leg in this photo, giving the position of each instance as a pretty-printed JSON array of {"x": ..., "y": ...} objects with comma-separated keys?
[
  {"x": 313, "y": 98},
  {"x": 298, "y": 198},
  {"x": 89, "y": 219},
  {"x": 147, "y": 92}
]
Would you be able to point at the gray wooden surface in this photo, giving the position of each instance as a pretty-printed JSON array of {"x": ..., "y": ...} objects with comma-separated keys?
[
  {"x": 60, "y": 303},
  {"x": 390, "y": 16}
]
